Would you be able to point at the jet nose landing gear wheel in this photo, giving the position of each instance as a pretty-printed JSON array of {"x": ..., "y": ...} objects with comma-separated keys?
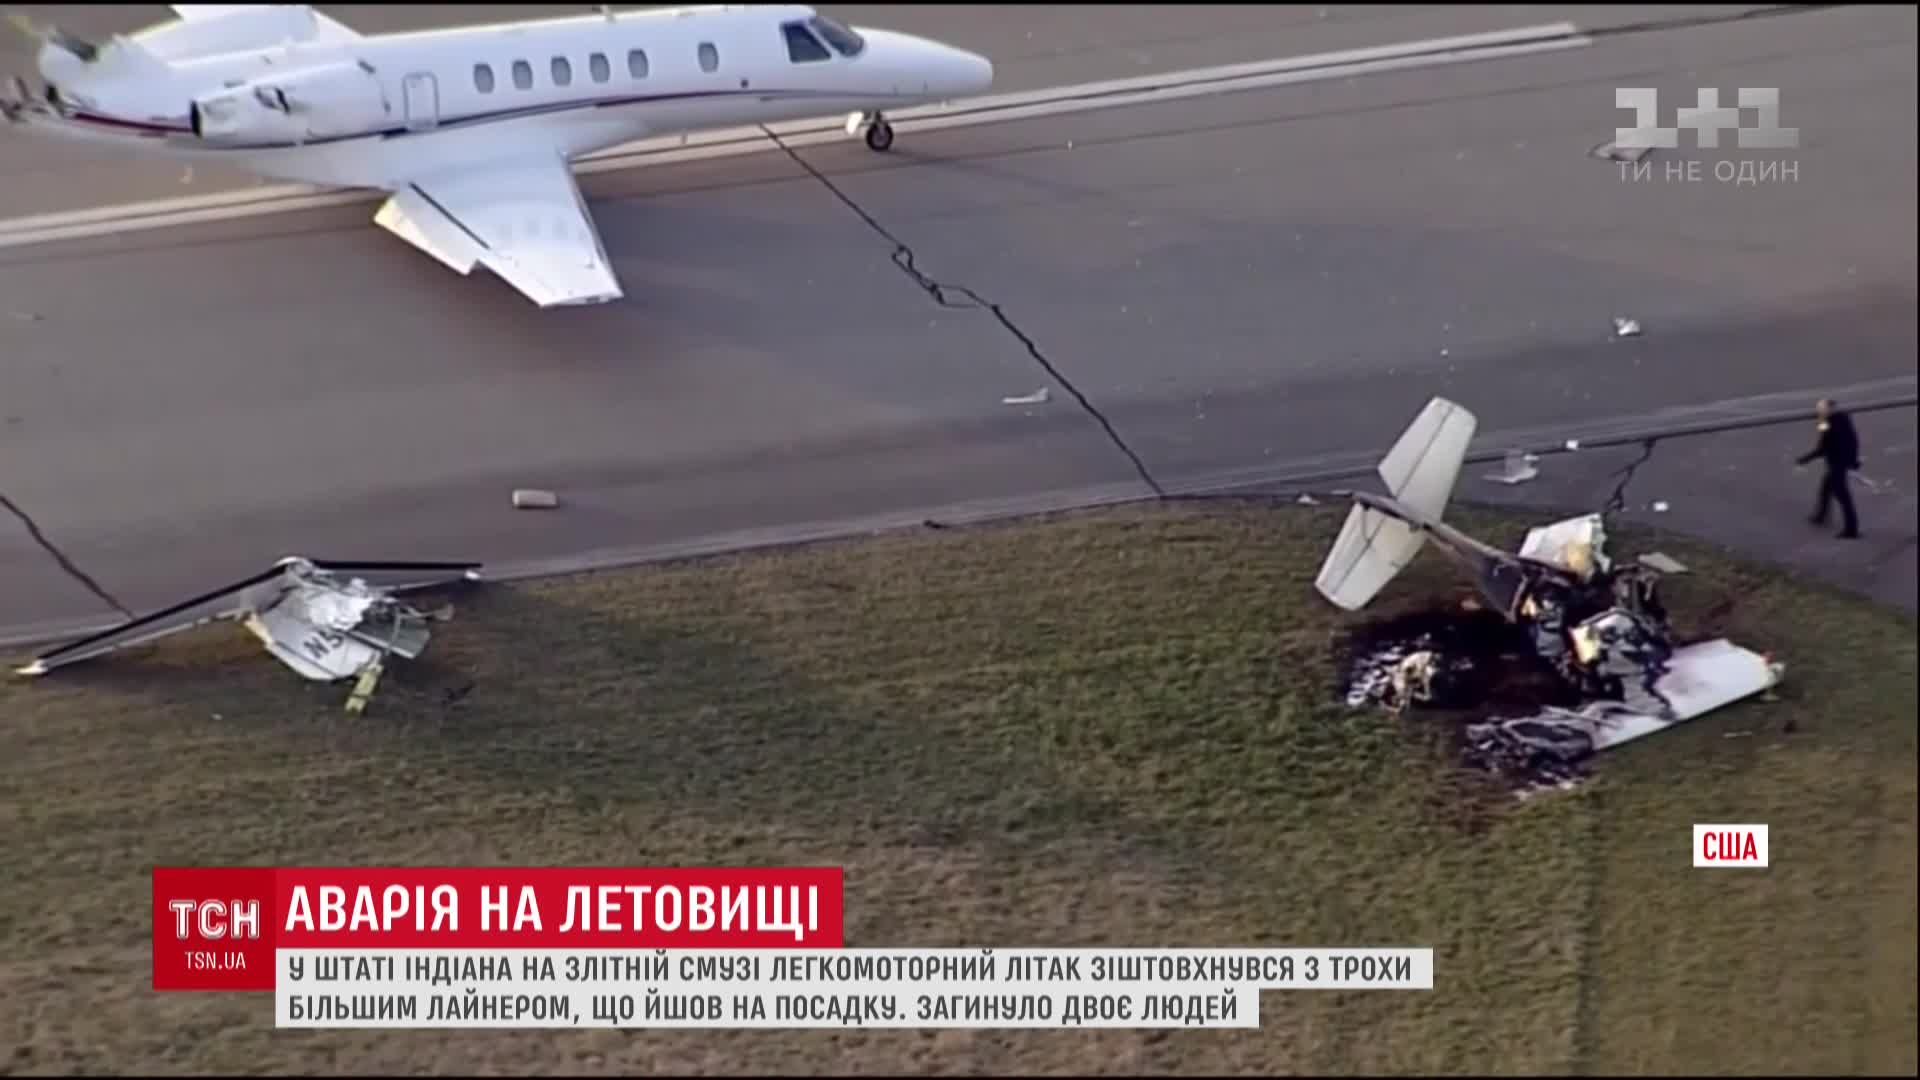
[{"x": 879, "y": 135}]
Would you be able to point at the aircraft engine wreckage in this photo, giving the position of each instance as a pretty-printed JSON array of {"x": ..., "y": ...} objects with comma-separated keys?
[
  {"x": 1599, "y": 626},
  {"x": 326, "y": 620}
]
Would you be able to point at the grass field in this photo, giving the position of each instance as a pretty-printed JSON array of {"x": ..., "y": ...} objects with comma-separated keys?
[{"x": 1116, "y": 728}]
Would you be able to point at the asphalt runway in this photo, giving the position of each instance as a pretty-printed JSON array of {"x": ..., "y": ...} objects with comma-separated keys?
[
  {"x": 1244, "y": 288},
  {"x": 1031, "y": 46}
]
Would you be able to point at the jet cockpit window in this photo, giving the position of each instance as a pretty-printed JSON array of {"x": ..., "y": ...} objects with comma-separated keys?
[
  {"x": 839, "y": 35},
  {"x": 802, "y": 47}
]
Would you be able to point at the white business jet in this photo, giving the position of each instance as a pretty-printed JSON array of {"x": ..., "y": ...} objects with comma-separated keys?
[{"x": 472, "y": 129}]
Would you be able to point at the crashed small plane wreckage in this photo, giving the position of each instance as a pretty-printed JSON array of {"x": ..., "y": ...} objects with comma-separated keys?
[
  {"x": 326, "y": 620},
  {"x": 1600, "y": 626}
]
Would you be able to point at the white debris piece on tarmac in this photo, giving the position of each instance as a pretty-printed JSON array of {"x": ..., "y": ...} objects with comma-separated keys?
[
  {"x": 1573, "y": 444},
  {"x": 1613, "y": 151},
  {"x": 1516, "y": 468},
  {"x": 534, "y": 499},
  {"x": 1659, "y": 506},
  {"x": 1624, "y": 327},
  {"x": 1038, "y": 397}
]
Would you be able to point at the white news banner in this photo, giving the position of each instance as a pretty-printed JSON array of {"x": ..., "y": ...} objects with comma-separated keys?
[{"x": 819, "y": 988}]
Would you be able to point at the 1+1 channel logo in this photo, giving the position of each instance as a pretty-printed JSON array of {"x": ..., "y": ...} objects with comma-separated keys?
[{"x": 1707, "y": 118}]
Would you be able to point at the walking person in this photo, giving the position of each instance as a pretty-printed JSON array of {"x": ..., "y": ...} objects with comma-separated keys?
[{"x": 1839, "y": 447}]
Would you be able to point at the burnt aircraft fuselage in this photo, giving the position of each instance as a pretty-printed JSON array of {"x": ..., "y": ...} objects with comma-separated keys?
[{"x": 1598, "y": 631}]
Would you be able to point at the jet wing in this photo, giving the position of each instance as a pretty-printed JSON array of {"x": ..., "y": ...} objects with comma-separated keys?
[
  {"x": 524, "y": 220},
  {"x": 190, "y": 12}
]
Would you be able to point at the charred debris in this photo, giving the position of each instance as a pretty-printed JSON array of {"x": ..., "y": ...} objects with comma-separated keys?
[{"x": 1567, "y": 652}]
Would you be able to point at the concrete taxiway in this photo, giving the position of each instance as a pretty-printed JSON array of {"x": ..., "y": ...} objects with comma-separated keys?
[{"x": 1243, "y": 288}]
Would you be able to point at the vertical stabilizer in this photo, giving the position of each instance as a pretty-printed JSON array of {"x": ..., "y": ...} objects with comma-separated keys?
[{"x": 1424, "y": 464}]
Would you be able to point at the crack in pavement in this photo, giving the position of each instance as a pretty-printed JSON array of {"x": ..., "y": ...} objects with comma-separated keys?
[
  {"x": 66, "y": 564},
  {"x": 943, "y": 294},
  {"x": 1617, "y": 501}
]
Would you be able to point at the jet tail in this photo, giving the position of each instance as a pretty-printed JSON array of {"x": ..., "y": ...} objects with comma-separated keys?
[
  {"x": 1420, "y": 471},
  {"x": 71, "y": 63}
]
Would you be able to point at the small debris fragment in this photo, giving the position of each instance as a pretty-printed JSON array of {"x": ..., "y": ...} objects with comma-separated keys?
[
  {"x": 534, "y": 499},
  {"x": 1307, "y": 500},
  {"x": 1737, "y": 735},
  {"x": 1038, "y": 397},
  {"x": 1573, "y": 444},
  {"x": 1624, "y": 327},
  {"x": 1612, "y": 151},
  {"x": 1662, "y": 563},
  {"x": 1516, "y": 468},
  {"x": 363, "y": 687},
  {"x": 1659, "y": 507}
]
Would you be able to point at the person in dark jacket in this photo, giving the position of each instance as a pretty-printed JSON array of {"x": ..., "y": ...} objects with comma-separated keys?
[{"x": 1839, "y": 447}]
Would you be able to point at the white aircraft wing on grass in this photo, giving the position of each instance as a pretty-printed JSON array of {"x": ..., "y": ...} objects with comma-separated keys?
[{"x": 522, "y": 219}]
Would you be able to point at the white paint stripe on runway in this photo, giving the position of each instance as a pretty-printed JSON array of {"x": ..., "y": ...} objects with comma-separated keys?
[{"x": 998, "y": 108}]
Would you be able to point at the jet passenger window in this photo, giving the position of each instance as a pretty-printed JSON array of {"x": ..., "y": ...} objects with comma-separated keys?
[
  {"x": 637, "y": 63},
  {"x": 483, "y": 78},
  {"x": 841, "y": 37},
  {"x": 562, "y": 71},
  {"x": 709, "y": 56},
  {"x": 802, "y": 47},
  {"x": 522, "y": 75},
  {"x": 598, "y": 67}
]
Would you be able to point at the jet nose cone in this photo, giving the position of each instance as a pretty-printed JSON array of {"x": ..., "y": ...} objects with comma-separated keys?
[{"x": 976, "y": 73}]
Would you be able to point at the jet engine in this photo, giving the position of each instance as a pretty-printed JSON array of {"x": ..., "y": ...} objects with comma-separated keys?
[{"x": 327, "y": 102}]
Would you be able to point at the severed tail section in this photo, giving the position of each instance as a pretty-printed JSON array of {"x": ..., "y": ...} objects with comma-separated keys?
[
  {"x": 1419, "y": 472},
  {"x": 1370, "y": 550}
]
